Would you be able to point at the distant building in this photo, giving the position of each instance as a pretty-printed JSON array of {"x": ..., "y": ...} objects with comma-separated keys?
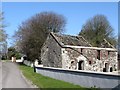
[{"x": 74, "y": 52}]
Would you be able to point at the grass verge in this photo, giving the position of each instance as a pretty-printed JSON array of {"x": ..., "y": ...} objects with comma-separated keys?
[
  {"x": 6, "y": 60},
  {"x": 46, "y": 82}
]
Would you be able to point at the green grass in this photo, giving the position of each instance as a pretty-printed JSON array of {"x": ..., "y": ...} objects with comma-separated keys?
[
  {"x": 6, "y": 60},
  {"x": 46, "y": 82}
]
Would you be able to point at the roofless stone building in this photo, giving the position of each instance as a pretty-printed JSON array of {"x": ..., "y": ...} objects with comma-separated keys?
[{"x": 74, "y": 52}]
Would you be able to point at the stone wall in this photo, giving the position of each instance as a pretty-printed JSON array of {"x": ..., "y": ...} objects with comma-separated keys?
[
  {"x": 89, "y": 59},
  {"x": 28, "y": 63},
  {"x": 51, "y": 53},
  {"x": 83, "y": 78}
]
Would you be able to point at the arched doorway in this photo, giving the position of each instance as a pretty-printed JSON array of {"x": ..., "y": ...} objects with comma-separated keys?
[
  {"x": 81, "y": 62},
  {"x": 81, "y": 65}
]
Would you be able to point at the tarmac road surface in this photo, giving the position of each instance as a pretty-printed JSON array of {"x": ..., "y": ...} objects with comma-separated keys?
[{"x": 12, "y": 77}]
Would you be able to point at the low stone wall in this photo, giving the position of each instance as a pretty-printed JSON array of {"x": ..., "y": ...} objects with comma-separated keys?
[
  {"x": 82, "y": 78},
  {"x": 28, "y": 63}
]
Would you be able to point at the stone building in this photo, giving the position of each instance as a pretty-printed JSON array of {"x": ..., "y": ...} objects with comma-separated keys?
[{"x": 74, "y": 52}]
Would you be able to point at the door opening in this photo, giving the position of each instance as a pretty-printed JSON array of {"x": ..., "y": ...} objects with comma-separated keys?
[
  {"x": 80, "y": 65},
  {"x": 106, "y": 67},
  {"x": 111, "y": 69}
]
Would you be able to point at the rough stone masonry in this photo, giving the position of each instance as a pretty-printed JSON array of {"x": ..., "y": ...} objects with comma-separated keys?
[{"x": 74, "y": 52}]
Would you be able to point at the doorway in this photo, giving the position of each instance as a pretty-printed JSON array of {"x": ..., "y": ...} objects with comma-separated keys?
[
  {"x": 111, "y": 69},
  {"x": 106, "y": 67},
  {"x": 80, "y": 65}
]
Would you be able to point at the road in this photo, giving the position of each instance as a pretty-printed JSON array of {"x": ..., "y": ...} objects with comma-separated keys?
[{"x": 12, "y": 77}]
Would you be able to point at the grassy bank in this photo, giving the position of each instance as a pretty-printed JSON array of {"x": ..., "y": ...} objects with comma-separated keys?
[{"x": 46, "y": 82}]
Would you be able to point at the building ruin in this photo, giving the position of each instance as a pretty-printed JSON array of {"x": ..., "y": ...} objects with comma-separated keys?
[{"x": 74, "y": 52}]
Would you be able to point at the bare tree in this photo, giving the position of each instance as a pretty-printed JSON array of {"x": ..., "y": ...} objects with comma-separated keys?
[
  {"x": 33, "y": 32},
  {"x": 96, "y": 29},
  {"x": 3, "y": 37}
]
